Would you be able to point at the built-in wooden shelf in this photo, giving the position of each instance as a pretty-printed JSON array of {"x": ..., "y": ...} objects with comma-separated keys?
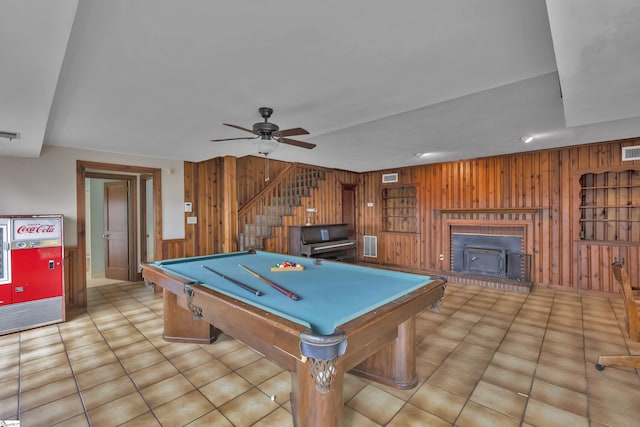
[{"x": 490, "y": 210}]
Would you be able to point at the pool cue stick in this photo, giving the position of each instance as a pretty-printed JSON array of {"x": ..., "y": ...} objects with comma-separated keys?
[
  {"x": 234, "y": 281},
  {"x": 270, "y": 283}
]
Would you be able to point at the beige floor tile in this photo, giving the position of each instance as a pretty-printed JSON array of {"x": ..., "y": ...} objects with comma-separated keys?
[
  {"x": 259, "y": 371},
  {"x": 133, "y": 349},
  {"x": 432, "y": 353},
  {"x": 612, "y": 415},
  {"x": 356, "y": 419},
  {"x": 410, "y": 415},
  {"x": 145, "y": 420},
  {"x": 562, "y": 378},
  {"x": 119, "y": 411},
  {"x": 240, "y": 357},
  {"x": 9, "y": 408},
  {"x": 153, "y": 374},
  {"x": 375, "y": 404},
  {"x": 451, "y": 380},
  {"x": 107, "y": 391},
  {"x": 513, "y": 363},
  {"x": 79, "y": 420},
  {"x": 38, "y": 365},
  {"x": 9, "y": 388},
  {"x": 39, "y": 379},
  {"x": 475, "y": 415},
  {"x": 278, "y": 418},
  {"x": 53, "y": 412},
  {"x": 92, "y": 349},
  {"x": 166, "y": 390},
  {"x": 206, "y": 373},
  {"x": 560, "y": 397},
  {"x": 439, "y": 402},
  {"x": 247, "y": 408},
  {"x": 184, "y": 362},
  {"x": 184, "y": 409},
  {"x": 506, "y": 378},
  {"x": 36, "y": 353},
  {"x": 223, "y": 345},
  {"x": 519, "y": 350},
  {"x": 47, "y": 393},
  {"x": 499, "y": 399},
  {"x": 465, "y": 365},
  {"x": 211, "y": 419},
  {"x": 92, "y": 362},
  {"x": 542, "y": 414},
  {"x": 226, "y": 388},
  {"x": 352, "y": 385},
  {"x": 141, "y": 360}
]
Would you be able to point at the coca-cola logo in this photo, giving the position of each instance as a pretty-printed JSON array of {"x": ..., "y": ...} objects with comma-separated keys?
[{"x": 36, "y": 229}]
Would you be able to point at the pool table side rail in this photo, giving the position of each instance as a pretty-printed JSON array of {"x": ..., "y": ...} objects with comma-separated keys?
[{"x": 272, "y": 335}]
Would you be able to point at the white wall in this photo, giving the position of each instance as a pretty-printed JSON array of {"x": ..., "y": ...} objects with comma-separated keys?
[{"x": 47, "y": 185}]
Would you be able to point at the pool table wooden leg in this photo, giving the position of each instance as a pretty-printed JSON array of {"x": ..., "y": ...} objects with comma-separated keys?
[
  {"x": 312, "y": 408},
  {"x": 395, "y": 363},
  {"x": 179, "y": 324}
]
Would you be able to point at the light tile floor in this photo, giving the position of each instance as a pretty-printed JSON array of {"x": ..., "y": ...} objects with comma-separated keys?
[{"x": 489, "y": 358}]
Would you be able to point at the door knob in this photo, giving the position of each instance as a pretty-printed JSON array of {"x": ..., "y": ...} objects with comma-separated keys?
[{"x": 104, "y": 236}]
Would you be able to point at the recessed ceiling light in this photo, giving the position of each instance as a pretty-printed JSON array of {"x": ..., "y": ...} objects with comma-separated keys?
[
  {"x": 526, "y": 138},
  {"x": 422, "y": 155}
]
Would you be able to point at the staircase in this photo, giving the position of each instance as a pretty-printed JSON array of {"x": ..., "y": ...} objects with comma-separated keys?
[{"x": 258, "y": 219}]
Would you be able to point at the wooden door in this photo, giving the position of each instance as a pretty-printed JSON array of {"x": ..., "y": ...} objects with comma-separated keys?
[{"x": 116, "y": 233}]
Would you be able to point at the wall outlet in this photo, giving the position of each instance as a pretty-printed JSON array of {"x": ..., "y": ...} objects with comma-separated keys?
[{"x": 441, "y": 257}]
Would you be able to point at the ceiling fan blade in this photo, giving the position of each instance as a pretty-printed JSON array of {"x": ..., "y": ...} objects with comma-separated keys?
[
  {"x": 290, "y": 132},
  {"x": 296, "y": 143},
  {"x": 230, "y": 139},
  {"x": 238, "y": 127}
]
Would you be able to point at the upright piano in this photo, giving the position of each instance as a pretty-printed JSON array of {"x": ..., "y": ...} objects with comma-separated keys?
[{"x": 328, "y": 241}]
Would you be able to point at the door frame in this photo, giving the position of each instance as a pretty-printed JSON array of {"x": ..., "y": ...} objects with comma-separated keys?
[{"x": 86, "y": 167}]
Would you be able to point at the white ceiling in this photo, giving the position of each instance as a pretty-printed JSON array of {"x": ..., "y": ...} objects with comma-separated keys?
[{"x": 373, "y": 81}]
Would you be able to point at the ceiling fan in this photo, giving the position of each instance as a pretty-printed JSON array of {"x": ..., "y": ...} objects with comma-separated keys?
[{"x": 270, "y": 134}]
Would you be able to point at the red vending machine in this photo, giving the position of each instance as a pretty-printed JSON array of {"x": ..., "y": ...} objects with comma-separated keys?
[{"x": 35, "y": 278}]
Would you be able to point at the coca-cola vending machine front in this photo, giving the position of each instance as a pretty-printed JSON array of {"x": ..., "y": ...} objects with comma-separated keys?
[{"x": 36, "y": 273}]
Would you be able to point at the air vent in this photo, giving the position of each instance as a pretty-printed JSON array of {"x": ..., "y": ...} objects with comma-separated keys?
[
  {"x": 389, "y": 177},
  {"x": 631, "y": 153},
  {"x": 371, "y": 246}
]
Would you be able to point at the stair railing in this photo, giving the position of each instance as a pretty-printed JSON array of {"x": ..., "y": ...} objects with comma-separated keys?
[{"x": 265, "y": 210}]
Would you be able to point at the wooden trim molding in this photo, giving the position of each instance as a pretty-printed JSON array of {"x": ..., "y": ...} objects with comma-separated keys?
[{"x": 490, "y": 210}]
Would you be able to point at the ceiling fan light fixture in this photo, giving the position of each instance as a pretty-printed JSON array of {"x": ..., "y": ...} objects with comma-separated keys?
[{"x": 267, "y": 145}]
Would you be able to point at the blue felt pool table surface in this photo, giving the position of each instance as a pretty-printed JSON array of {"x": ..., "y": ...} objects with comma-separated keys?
[{"x": 330, "y": 294}]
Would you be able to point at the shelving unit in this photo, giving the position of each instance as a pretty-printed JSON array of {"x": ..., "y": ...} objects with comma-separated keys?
[
  {"x": 399, "y": 213},
  {"x": 610, "y": 206}
]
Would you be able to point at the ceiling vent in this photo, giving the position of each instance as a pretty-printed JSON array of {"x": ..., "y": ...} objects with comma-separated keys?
[
  {"x": 631, "y": 153},
  {"x": 389, "y": 177}
]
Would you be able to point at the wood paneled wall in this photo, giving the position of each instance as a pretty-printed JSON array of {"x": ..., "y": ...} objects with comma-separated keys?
[
  {"x": 211, "y": 187},
  {"x": 75, "y": 291},
  {"x": 536, "y": 187}
]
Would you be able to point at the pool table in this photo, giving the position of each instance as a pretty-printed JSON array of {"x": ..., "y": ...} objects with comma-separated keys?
[{"x": 326, "y": 319}]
